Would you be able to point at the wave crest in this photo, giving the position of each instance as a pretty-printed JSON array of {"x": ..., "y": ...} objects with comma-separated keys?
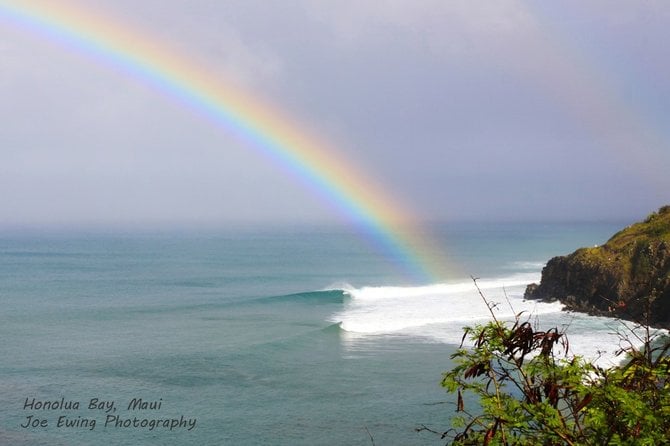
[{"x": 386, "y": 309}]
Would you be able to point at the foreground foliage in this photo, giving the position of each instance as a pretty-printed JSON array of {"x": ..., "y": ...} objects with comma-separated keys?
[{"x": 529, "y": 390}]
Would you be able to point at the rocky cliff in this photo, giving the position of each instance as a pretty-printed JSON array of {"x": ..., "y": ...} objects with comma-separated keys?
[{"x": 628, "y": 277}]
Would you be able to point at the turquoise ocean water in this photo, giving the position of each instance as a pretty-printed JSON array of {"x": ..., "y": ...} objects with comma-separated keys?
[{"x": 284, "y": 336}]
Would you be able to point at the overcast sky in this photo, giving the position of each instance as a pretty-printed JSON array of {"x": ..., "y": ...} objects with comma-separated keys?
[{"x": 461, "y": 110}]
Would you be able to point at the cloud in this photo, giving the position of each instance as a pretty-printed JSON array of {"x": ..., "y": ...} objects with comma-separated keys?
[
  {"x": 504, "y": 104},
  {"x": 443, "y": 24}
]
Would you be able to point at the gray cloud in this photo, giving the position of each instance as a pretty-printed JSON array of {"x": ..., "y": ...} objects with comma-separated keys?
[{"x": 460, "y": 109}]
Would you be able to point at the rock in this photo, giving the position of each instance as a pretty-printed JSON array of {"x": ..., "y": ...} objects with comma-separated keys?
[
  {"x": 530, "y": 291},
  {"x": 628, "y": 277}
]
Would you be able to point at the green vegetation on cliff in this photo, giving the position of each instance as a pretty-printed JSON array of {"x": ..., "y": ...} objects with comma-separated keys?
[{"x": 623, "y": 278}]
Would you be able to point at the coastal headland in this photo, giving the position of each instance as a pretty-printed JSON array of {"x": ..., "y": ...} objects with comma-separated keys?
[{"x": 628, "y": 277}]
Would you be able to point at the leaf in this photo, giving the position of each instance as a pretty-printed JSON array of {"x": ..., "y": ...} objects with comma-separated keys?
[
  {"x": 587, "y": 399},
  {"x": 490, "y": 433},
  {"x": 466, "y": 331}
]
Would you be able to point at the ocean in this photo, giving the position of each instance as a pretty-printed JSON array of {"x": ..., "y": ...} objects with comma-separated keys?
[{"x": 286, "y": 336}]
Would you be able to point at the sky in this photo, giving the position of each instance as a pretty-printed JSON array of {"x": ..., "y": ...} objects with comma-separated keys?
[{"x": 458, "y": 110}]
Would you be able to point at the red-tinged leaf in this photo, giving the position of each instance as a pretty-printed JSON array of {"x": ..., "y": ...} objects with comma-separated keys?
[
  {"x": 587, "y": 399},
  {"x": 489, "y": 436},
  {"x": 465, "y": 333}
]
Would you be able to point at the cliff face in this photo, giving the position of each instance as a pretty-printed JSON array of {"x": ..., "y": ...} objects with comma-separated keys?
[{"x": 623, "y": 278}]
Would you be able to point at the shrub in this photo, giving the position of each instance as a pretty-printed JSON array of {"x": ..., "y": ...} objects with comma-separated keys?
[{"x": 531, "y": 391}]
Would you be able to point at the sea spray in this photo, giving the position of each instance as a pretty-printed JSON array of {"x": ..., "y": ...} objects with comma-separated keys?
[
  {"x": 438, "y": 313},
  {"x": 379, "y": 310}
]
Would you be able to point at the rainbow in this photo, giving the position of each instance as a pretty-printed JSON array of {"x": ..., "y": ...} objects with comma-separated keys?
[{"x": 386, "y": 225}]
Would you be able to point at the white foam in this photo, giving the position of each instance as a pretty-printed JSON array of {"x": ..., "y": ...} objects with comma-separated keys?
[
  {"x": 377, "y": 310},
  {"x": 438, "y": 313}
]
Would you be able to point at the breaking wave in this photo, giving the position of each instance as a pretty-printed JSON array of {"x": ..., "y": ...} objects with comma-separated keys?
[{"x": 438, "y": 313}]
